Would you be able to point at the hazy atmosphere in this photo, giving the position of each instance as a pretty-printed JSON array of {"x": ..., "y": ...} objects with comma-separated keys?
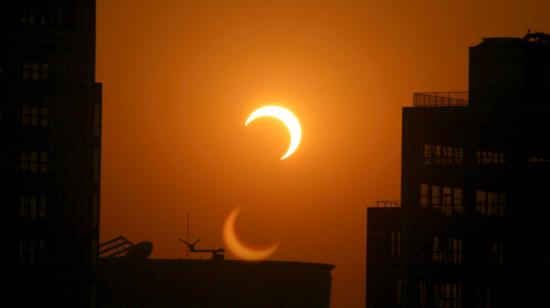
[{"x": 181, "y": 77}]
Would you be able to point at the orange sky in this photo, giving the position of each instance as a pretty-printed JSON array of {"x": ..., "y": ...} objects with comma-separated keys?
[{"x": 180, "y": 77}]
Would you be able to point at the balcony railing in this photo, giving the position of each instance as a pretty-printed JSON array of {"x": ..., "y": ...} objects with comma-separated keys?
[
  {"x": 388, "y": 203},
  {"x": 440, "y": 99}
]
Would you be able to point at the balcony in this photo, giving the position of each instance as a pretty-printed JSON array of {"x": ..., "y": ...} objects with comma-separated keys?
[{"x": 440, "y": 99}]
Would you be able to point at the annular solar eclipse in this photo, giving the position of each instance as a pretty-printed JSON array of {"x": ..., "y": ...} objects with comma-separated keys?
[{"x": 287, "y": 117}]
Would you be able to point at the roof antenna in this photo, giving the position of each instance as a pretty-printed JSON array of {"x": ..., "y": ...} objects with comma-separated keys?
[{"x": 187, "y": 236}]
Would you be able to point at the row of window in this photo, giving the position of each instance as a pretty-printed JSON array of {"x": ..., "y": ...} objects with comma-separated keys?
[
  {"x": 33, "y": 207},
  {"x": 454, "y": 155},
  {"x": 37, "y": 162},
  {"x": 39, "y": 117},
  {"x": 441, "y": 154},
  {"x": 449, "y": 295},
  {"x": 449, "y": 250},
  {"x": 449, "y": 200},
  {"x": 27, "y": 18},
  {"x": 34, "y": 16},
  {"x": 34, "y": 252},
  {"x": 536, "y": 160}
]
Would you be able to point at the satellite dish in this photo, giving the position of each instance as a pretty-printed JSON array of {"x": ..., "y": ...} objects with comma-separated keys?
[{"x": 140, "y": 252}]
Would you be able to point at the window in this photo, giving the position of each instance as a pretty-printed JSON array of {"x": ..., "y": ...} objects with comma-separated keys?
[
  {"x": 490, "y": 203},
  {"x": 33, "y": 207},
  {"x": 538, "y": 160},
  {"x": 436, "y": 198},
  {"x": 395, "y": 244},
  {"x": 42, "y": 207},
  {"x": 96, "y": 164},
  {"x": 424, "y": 195},
  {"x": 489, "y": 157},
  {"x": 34, "y": 116},
  {"x": 446, "y": 199},
  {"x": 23, "y": 208},
  {"x": 447, "y": 250},
  {"x": 34, "y": 162},
  {"x": 446, "y": 204},
  {"x": 43, "y": 164},
  {"x": 496, "y": 252},
  {"x": 442, "y": 154},
  {"x": 485, "y": 297},
  {"x": 399, "y": 291},
  {"x": 35, "y": 71},
  {"x": 32, "y": 252},
  {"x": 423, "y": 293},
  {"x": 457, "y": 199},
  {"x": 447, "y": 295}
]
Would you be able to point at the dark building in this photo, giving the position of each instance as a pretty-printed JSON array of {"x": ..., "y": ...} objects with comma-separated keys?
[
  {"x": 472, "y": 227},
  {"x": 50, "y": 134},
  {"x": 209, "y": 283},
  {"x": 126, "y": 278}
]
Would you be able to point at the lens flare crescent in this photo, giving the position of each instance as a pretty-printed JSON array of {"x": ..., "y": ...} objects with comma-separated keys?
[{"x": 240, "y": 250}]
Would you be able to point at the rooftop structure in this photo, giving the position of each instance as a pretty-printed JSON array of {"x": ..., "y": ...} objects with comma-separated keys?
[{"x": 125, "y": 280}]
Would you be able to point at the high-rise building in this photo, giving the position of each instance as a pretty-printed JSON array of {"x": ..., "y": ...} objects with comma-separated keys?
[
  {"x": 472, "y": 226},
  {"x": 50, "y": 134}
]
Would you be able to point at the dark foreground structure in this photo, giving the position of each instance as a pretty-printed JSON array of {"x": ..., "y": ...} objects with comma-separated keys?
[
  {"x": 50, "y": 135},
  {"x": 212, "y": 283},
  {"x": 472, "y": 227}
]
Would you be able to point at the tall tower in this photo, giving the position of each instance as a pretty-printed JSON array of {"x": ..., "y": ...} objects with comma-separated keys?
[{"x": 50, "y": 134}]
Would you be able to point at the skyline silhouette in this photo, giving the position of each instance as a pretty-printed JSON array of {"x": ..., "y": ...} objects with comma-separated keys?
[{"x": 156, "y": 125}]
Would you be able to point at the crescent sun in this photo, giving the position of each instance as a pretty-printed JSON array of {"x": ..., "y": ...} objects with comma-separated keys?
[
  {"x": 240, "y": 250},
  {"x": 287, "y": 117}
]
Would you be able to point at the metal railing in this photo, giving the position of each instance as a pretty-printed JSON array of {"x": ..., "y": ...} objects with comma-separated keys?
[
  {"x": 115, "y": 248},
  {"x": 440, "y": 99},
  {"x": 388, "y": 203}
]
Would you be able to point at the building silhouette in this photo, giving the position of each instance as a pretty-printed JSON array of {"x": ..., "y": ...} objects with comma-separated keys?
[
  {"x": 50, "y": 120},
  {"x": 127, "y": 278},
  {"x": 472, "y": 226}
]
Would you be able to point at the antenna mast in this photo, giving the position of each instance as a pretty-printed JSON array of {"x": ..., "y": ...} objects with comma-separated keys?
[{"x": 187, "y": 236}]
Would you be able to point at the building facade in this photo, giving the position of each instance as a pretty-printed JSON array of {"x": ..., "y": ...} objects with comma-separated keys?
[
  {"x": 472, "y": 227},
  {"x": 50, "y": 120}
]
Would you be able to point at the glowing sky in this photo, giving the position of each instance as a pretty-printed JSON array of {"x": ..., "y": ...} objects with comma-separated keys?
[{"x": 179, "y": 77}]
